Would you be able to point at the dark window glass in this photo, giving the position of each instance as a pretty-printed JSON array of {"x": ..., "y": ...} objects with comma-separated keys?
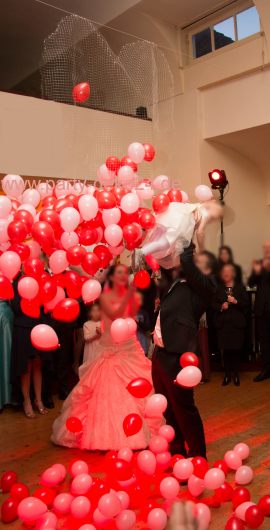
[
  {"x": 202, "y": 43},
  {"x": 224, "y": 33},
  {"x": 248, "y": 23}
]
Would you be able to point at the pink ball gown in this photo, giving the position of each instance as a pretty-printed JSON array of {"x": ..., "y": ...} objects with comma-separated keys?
[{"x": 101, "y": 399}]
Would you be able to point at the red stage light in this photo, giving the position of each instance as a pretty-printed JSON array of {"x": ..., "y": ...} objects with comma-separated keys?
[{"x": 218, "y": 179}]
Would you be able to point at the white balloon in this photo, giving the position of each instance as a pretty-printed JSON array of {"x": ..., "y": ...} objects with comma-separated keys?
[
  {"x": 13, "y": 186},
  {"x": 91, "y": 290},
  {"x": 69, "y": 239},
  {"x": 189, "y": 377},
  {"x": 69, "y": 218},
  {"x": 136, "y": 152},
  {"x": 3, "y": 231},
  {"x": 130, "y": 203},
  {"x": 145, "y": 191},
  {"x": 44, "y": 189},
  {"x": 111, "y": 216},
  {"x": 5, "y": 207},
  {"x": 113, "y": 235},
  {"x": 63, "y": 188},
  {"x": 105, "y": 176},
  {"x": 125, "y": 176},
  {"x": 88, "y": 206},
  {"x": 203, "y": 193},
  {"x": 161, "y": 183},
  {"x": 31, "y": 196}
]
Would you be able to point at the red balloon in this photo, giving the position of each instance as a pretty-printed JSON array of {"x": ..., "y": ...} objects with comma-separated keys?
[
  {"x": 19, "y": 491},
  {"x": 113, "y": 163},
  {"x": 174, "y": 459},
  {"x": 49, "y": 202},
  {"x": 81, "y": 92},
  {"x": 60, "y": 280},
  {"x": 201, "y": 466},
  {"x": 45, "y": 494},
  {"x": 139, "y": 387},
  {"x": 103, "y": 254},
  {"x": 43, "y": 233},
  {"x": 152, "y": 262},
  {"x": 17, "y": 231},
  {"x": 142, "y": 279},
  {"x": 121, "y": 469},
  {"x": 96, "y": 222},
  {"x": 189, "y": 359},
  {"x": 175, "y": 195},
  {"x": 51, "y": 217},
  {"x": 234, "y": 524},
  {"x": 98, "y": 488},
  {"x": 62, "y": 203},
  {"x": 25, "y": 217},
  {"x": 6, "y": 289},
  {"x": 47, "y": 290},
  {"x": 149, "y": 152},
  {"x": 264, "y": 505},
  {"x": 147, "y": 220},
  {"x": 132, "y": 424},
  {"x": 119, "y": 192},
  {"x": 22, "y": 250},
  {"x": 131, "y": 234},
  {"x": 160, "y": 203},
  {"x": 87, "y": 236},
  {"x": 224, "y": 493},
  {"x": 66, "y": 310},
  {"x": 74, "y": 199},
  {"x": 240, "y": 495},
  {"x": 106, "y": 199},
  {"x": 34, "y": 267},
  {"x": 73, "y": 284},
  {"x": 7, "y": 480},
  {"x": 254, "y": 517},
  {"x": 91, "y": 263},
  {"x": 75, "y": 254},
  {"x": 126, "y": 161},
  {"x": 74, "y": 424},
  {"x": 31, "y": 308},
  {"x": 220, "y": 464},
  {"x": 9, "y": 510}
]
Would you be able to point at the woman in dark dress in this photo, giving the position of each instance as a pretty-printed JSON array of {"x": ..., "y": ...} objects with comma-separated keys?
[
  {"x": 225, "y": 256},
  {"x": 232, "y": 304}
]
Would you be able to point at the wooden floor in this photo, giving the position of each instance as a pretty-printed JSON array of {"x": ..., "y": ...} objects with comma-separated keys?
[{"x": 230, "y": 415}]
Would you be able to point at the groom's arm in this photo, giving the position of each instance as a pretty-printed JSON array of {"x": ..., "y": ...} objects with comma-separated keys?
[{"x": 201, "y": 283}]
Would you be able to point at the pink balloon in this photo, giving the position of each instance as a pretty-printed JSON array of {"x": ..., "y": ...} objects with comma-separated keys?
[
  {"x": 111, "y": 216},
  {"x": 146, "y": 462},
  {"x": 214, "y": 478},
  {"x": 113, "y": 235},
  {"x": 31, "y": 196},
  {"x": 58, "y": 261},
  {"x": 125, "y": 520},
  {"x": 123, "y": 497},
  {"x": 60, "y": 295},
  {"x": 43, "y": 337},
  {"x": 91, "y": 290},
  {"x": 5, "y": 207},
  {"x": 145, "y": 191},
  {"x": 31, "y": 509},
  {"x": 61, "y": 470},
  {"x": 35, "y": 248},
  {"x": 62, "y": 503},
  {"x": 10, "y": 264},
  {"x": 244, "y": 475},
  {"x": 88, "y": 207},
  {"x": 105, "y": 176},
  {"x": 158, "y": 444},
  {"x": 62, "y": 188},
  {"x": 99, "y": 519},
  {"x": 81, "y": 484},
  {"x": 157, "y": 519},
  {"x": 240, "y": 511},
  {"x": 3, "y": 231},
  {"x": 189, "y": 377},
  {"x": 78, "y": 467},
  {"x": 125, "y": 176},
  {"x": 87, "y": 527},
  {"x": 28, "y": 287},
  {"x": 132, "y": 326},
  {"x": 183, "y": 469},
  {"x": 203, "y": 193},
  {"x": 203, "y": 514},
  {"x": 130, "y": 203},
  {"x": 69, "y": 239},
  {"x": 47, "y": 521},
  {"x": 167, "y": 431},
  {"x": 136, "y": 152},
  {"x": 52, "y": 476},
  {"x": 69, "y": 218},
  {"x": 169, "y": 488},
  {"x": 119, "y": 330},
  {"x": 80, "y": 507},
  {"x": 13, "y": 186},
  {"x": 195, "y": 485},
  {"x": 161, "y": 183},
  {"x": 44, "y": 189},
  {"x": 242, "y": 450},
  {"x": 125, "y": 454},
  {"x": 109, "y": 504},
  {"x": 233, "y": 460},
  {"x": 155, "y": 406},
  {"x": 163, "y": 460}
]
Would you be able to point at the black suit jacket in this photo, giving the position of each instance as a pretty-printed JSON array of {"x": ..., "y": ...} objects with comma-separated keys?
[
  {"x": 262, "y": 299},
  {"x": 184, "y": 304}
]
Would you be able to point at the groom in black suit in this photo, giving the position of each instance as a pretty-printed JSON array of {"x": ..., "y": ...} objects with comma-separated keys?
[{"x": 188, "y": 294}]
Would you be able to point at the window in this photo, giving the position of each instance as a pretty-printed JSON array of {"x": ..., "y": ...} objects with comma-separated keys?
[{"x": 237, "y": 27}]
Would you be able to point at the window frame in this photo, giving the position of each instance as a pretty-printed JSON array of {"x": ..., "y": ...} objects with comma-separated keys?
[{"x": 229, "y": 13}]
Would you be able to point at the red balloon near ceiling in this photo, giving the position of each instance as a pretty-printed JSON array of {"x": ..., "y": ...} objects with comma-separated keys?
[
  {"x": 149, "y": 152},
  {"x": 175, "y": 195},
  {"x": 132, "y": 424},
  {"x": 81, "y": 92},
  {"x": 142, "y": 279},
  {"x": 17, "y": 231},
  {"x": 106, "y": 199},
  {"x": 113, "y": 163},
  {"x": 139, "y": 387},
  {"x": 160, "y": 203},
  {"x": 126, "y": 161}
]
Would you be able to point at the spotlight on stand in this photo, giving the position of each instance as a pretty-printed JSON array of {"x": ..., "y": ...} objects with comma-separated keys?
[{"x": 219, "y": 182}]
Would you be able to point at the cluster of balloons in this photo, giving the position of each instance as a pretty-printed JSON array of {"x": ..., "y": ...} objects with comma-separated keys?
[
  {"x": 136, "y": 487},
  {"x": 190, "y": 375}
]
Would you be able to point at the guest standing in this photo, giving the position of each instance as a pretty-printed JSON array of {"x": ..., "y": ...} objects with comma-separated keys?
[
  {"x": 92, "y": 332},
  {"x": 232, "y": 304},
  {"x": 6, "y": 328},
  {"x": 225, "y": 257}
]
